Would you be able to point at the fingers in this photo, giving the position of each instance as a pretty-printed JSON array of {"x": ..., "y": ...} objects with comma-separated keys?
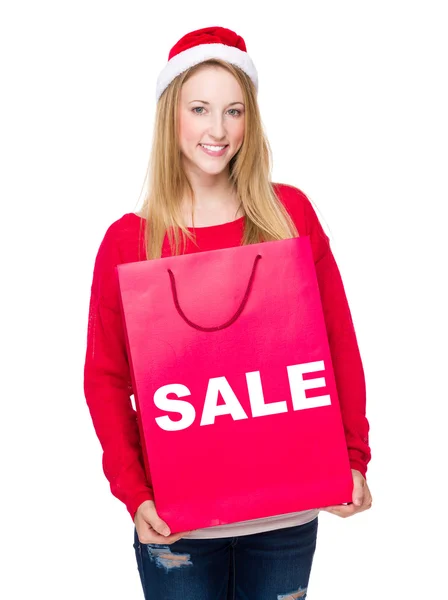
[
  {"x": 366, "y": 498},
  {"x": 160, "y": 526},
  {"x": 367, "y": 503},
  {"x": 155, "y": 538},
  {"x": 347, "y": 510},
  {"x": 359, "y": 497},
  {"x": 342, "y": 510},
  {"x": 151, "y": 529},
  {"x": 152, "y": 519},
  {"x": 359, "y": 488}
]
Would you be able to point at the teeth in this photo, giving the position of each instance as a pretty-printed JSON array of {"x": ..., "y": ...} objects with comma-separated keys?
[{"x": 213, "y": 148}]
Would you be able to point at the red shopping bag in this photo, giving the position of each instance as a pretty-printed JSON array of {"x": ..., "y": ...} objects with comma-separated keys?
[{"x": 233, "y": 381}]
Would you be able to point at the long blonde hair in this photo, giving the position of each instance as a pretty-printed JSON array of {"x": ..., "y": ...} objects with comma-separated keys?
[{"x": 265, "y": 216}]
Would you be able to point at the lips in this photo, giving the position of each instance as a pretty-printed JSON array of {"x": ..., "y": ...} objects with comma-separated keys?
[{"x": 214, "y": 152}]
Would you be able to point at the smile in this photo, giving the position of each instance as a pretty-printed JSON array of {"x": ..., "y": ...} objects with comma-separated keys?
[{"x": 213, "y": 150}]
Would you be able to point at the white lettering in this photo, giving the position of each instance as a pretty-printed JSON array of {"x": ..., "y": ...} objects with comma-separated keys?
[
  {"x": 231, "y": 404},
  {"x": 298, "y": 386},
  {"x": 256, "y": 396},
  {"x": 179, "y": 406}
]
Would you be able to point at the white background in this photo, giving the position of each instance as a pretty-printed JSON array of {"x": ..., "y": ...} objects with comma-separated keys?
[{"x": 354, "y": 101}]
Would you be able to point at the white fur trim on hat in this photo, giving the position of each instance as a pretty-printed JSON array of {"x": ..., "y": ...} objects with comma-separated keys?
[{"x": 197, "y": 54}]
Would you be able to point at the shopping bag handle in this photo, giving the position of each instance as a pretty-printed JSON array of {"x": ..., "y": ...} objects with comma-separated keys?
[{"x": 227, "y": 323}]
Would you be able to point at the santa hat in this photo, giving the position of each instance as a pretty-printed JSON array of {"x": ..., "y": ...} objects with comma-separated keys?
[{"x": 200, "y": 45}]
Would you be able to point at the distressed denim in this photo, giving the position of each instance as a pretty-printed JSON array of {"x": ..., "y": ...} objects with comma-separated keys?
[{"x": 273, "y": 565}]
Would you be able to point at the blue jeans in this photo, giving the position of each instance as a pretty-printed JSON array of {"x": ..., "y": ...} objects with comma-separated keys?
[{"x": 274, "y": 565}]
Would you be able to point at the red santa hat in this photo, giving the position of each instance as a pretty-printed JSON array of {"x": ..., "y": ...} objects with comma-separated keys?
[{"x": 200, "y": 45}]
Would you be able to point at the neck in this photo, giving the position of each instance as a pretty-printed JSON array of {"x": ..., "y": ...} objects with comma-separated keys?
[
  {"x": 208, "y": 186},
  {"x": 212, "y": 205}
]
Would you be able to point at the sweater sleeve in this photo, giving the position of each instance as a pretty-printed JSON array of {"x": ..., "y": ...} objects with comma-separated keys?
[
  {"x": 346, "y": 359},
  {"x": 108, "y": 387}
]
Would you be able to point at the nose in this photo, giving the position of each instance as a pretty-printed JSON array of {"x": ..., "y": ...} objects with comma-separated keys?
[{"x": 217, "y": 129}]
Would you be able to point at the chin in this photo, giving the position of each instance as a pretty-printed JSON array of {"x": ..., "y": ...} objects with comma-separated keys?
[
  {"x": 213, "y": 171},
  {"x": 209, "y": 167}
]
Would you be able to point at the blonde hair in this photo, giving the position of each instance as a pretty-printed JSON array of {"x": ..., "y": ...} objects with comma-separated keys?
[{"x": 249, "y": 171}]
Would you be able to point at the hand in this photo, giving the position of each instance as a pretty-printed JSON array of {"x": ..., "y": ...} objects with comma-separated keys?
[
  {"x": 151, "y": 529},
  {"x": 362, "y": 498}
]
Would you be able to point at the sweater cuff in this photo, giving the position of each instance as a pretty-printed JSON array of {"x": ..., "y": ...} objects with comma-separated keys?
[{"x": 133, "y": 505}]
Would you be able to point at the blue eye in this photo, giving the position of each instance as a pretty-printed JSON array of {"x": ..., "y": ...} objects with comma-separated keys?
[{"x": 196, "y": 108}]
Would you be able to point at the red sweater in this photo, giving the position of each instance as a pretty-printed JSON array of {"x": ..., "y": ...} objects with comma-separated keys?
[{"x": 107, "y": 380}]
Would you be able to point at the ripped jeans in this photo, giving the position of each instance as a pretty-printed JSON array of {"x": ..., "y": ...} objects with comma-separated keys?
[{"x": 274, "y": 565}]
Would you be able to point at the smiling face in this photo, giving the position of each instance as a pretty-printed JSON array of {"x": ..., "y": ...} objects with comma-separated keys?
[{"x": 211, "y": 112}]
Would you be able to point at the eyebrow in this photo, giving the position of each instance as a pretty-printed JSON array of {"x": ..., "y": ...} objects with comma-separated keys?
[{"x": 204, "y": 102}]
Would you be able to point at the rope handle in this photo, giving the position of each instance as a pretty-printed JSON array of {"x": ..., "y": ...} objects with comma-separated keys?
[{"x": 227, "y": 323}]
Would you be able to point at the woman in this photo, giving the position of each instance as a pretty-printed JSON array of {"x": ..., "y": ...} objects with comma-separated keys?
[{"x": 209, "y": 187}]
